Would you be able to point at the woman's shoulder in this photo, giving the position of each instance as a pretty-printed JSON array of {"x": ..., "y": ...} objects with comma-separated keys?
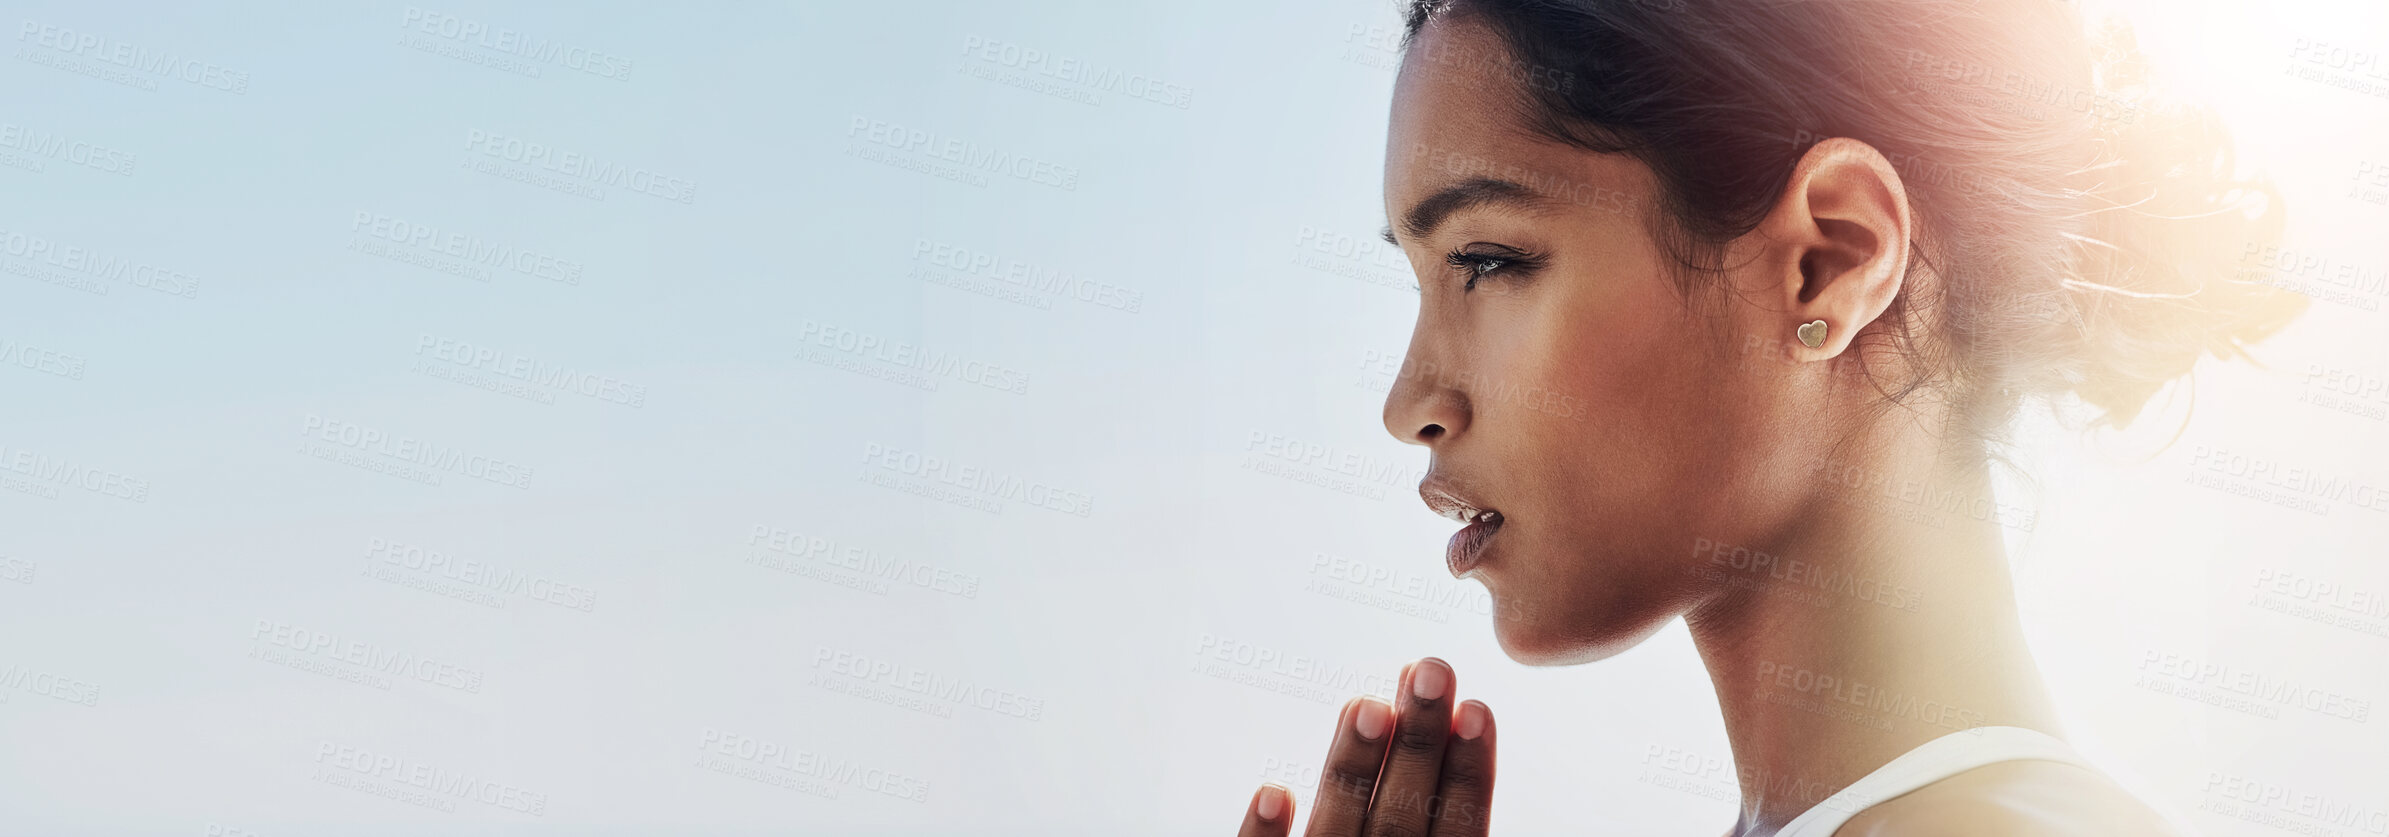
[{"x": 2026, "y": 797}]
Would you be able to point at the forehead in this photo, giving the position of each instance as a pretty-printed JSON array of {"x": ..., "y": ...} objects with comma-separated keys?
[
  {"x": 1459, "y": 112},
  {"x": 1450, "y": 96}
]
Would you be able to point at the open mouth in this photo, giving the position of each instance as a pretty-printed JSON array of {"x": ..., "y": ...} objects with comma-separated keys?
[{"x": 1467, "y": 547}]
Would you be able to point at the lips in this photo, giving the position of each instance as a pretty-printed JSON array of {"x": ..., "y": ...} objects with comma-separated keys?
[{"x": 1467, "y": 547}]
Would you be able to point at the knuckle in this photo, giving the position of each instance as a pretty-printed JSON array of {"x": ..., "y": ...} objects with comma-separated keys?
[
  {"x": 1466, "y": 776},
  {"x": 1407, "y": 810},
  {"x": 1415, "y": 739},
  {"x": 1466, "y": 818},
  {"x": 1347, "y": 785}
]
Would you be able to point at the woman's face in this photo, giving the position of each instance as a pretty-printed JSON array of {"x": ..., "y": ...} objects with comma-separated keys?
[{"x": 1558, "y": 377}]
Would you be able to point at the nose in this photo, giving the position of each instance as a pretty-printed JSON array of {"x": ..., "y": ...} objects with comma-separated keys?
[{"x": 1425, "y": 405}]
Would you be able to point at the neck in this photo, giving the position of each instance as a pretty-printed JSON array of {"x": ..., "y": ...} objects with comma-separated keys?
[{"x": 1889, "y": 620}]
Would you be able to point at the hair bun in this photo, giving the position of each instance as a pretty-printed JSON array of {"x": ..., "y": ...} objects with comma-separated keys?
[{"x": 2156, "y": 278}]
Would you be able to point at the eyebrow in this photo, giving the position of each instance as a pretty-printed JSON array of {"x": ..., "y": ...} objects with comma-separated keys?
[{"x": 1425, "y": 216}]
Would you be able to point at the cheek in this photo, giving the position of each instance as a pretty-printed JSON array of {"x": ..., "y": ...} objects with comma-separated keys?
[
  {"x": 1647, "y": 418},
  {"x": 1618, "y": 355}
]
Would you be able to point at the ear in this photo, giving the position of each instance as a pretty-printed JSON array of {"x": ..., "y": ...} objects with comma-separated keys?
[{"x": 1839, "y": 237}]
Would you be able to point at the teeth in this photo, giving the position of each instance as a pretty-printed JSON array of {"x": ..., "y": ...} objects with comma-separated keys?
[{"x": 1452, "y": 510}]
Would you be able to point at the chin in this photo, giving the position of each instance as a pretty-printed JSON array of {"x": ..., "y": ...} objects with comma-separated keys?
[
  {"x": 1529, "y": 648},
  {"x": 1539, "y": 634}
]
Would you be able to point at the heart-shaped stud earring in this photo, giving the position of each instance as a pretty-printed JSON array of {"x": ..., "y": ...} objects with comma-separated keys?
[{"x": 1812, "y": 335}]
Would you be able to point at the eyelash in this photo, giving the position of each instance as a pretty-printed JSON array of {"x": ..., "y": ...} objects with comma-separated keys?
[{"x": 1475, "y": 265}]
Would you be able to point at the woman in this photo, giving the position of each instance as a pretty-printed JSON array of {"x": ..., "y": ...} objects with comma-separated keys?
[{"x": 1790, "y": 268}]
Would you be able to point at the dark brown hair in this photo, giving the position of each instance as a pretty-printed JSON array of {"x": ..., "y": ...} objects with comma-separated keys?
[{"x": 2082, "y": 239}]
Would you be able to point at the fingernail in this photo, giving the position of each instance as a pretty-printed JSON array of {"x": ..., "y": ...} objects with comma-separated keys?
[
  {"x": 1273, "y": 803},
  {"x": 1472, "y": 720},
  {"x": 1429, "y": 679},
  {"x": 1373, "y": 719}
]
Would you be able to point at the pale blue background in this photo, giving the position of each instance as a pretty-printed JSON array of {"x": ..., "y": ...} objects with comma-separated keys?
[{"x": 1202, "y": 210}]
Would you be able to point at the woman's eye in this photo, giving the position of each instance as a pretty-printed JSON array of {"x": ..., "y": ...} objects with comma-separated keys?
[{"x": 1475, "y": 266}]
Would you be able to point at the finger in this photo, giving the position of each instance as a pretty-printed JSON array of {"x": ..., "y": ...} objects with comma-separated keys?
[
  {"x": 1350, "y": 776},
  {"x": 1467, "y": 806},
  {"x": 1414, "y": 761},
  {"x": 1270, "y": 814}
]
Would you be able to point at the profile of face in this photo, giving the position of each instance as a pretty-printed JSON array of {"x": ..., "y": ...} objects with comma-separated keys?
[{"x": 1611, "y": 424}]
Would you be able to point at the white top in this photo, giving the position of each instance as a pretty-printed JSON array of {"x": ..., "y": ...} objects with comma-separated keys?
[{"x": 1930, "y": 762}]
